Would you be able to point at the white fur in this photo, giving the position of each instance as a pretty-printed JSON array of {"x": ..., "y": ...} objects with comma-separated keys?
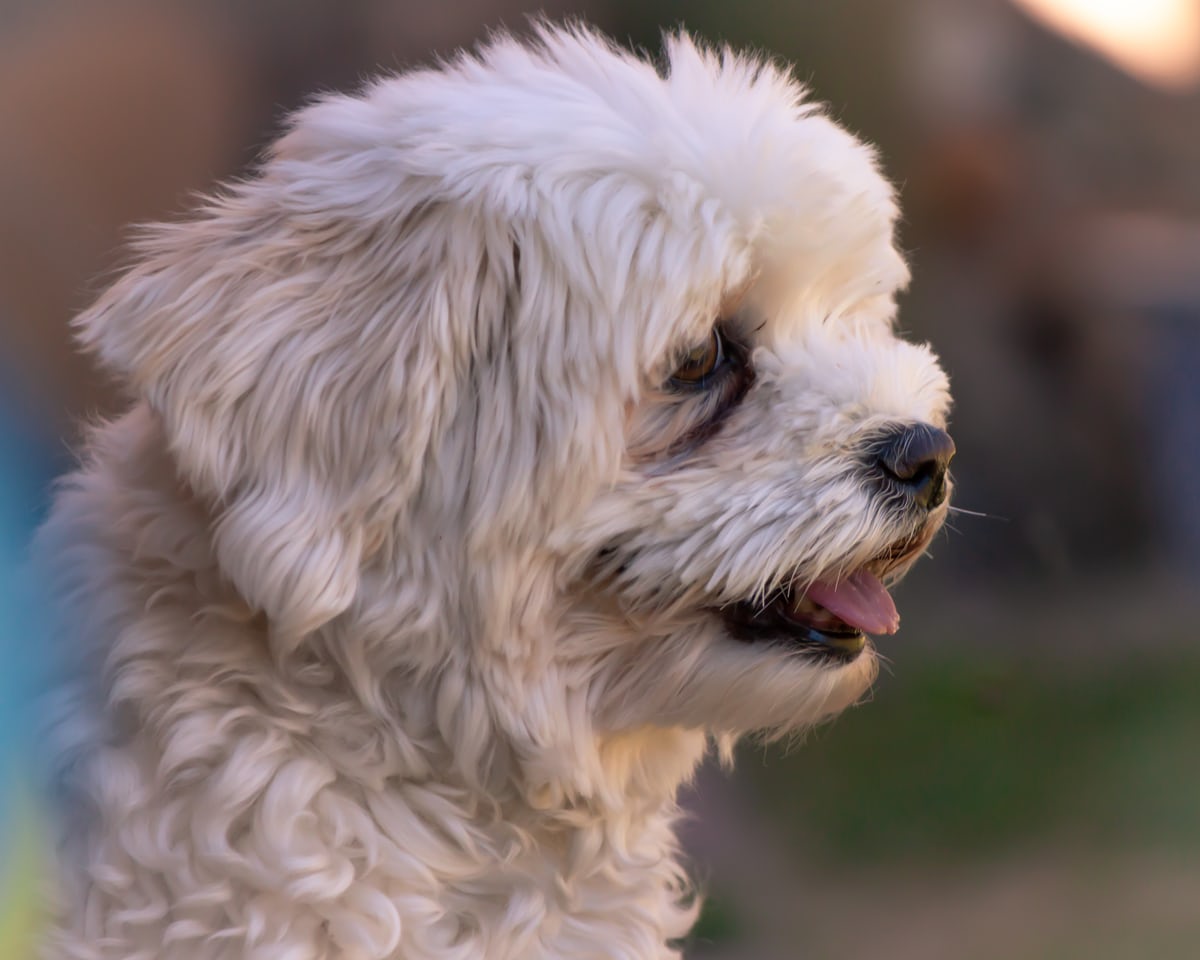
[{"x": 352, "y": 681}]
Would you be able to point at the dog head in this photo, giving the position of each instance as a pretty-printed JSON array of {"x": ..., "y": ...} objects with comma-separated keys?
[{"x": 571, "y": 380}]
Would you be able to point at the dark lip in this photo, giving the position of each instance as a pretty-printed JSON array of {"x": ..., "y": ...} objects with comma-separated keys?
[{"x": 753, "y": 623}]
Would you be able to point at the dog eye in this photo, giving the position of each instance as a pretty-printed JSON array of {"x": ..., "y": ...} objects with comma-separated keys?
[{"x": 701, "y": 362}]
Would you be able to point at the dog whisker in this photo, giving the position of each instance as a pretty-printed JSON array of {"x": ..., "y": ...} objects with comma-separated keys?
[{"x": 977, "y": 513}]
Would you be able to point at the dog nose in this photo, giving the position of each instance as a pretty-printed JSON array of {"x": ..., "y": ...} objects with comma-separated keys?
[{"x": 916, "y": 457}]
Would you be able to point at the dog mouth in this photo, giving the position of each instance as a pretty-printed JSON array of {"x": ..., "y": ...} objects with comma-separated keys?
[{"x": 828, "y": 618}]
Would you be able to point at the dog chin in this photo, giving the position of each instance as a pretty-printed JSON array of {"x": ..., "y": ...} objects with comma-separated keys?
[
  {"x": 777, "y": 690},
  {"x": 727, "y": 686}
]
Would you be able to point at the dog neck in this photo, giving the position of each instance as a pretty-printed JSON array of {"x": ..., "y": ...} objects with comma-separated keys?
[{"x": 410, "y": 814}]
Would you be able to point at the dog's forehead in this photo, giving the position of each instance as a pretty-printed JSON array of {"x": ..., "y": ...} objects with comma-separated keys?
[
  {"x": 788, "y": 188},
  {"x": 750, "y": 184}
]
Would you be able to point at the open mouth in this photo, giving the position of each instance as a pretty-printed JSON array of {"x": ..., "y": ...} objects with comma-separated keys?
[
  {"x": 829, "y": 618},
  {"x": 834, "y": 629}
]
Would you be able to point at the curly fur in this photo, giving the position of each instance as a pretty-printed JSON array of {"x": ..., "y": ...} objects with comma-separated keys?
[{"x": 390, "y": 601}]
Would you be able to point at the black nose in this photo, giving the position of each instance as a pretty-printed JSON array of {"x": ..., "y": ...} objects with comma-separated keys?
[{"x": 916, "y": 457}]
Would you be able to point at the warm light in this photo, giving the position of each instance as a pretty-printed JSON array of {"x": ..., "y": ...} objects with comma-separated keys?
[{"x": 1157, "y": 41}]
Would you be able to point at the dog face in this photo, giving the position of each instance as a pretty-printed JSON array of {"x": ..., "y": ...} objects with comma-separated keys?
[
  {"x": 568, "y": 380},
  {"x": 739, "y": 555}
]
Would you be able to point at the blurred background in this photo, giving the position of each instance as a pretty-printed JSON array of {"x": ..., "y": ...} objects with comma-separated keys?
[{"x": 1025, "y": 782}]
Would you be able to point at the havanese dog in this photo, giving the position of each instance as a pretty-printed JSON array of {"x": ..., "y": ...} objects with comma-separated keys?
[{"x": 521, "y": 429}]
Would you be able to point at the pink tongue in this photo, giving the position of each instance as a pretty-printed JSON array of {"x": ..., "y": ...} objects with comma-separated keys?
[{"x": 859, "y": 599}]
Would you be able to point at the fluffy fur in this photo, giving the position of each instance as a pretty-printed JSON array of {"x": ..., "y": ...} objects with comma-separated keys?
[{"x": 393, "y": 600}]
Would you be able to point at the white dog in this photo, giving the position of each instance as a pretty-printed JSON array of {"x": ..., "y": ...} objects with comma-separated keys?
[{"x": 522, "y": 426}]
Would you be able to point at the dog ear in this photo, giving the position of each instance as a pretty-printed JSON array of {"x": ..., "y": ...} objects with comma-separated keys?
[{"x": 288, "y": 340}]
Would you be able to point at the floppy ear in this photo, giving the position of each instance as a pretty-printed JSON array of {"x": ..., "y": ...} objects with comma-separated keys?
[{"x": 293, "y": 339}]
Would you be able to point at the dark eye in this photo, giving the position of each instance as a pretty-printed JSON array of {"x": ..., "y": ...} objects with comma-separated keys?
[{"x": 701, "y": 362}]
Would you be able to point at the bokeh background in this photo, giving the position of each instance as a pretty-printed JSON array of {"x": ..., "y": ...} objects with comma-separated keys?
[{"x": 1025, "y": 782}]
